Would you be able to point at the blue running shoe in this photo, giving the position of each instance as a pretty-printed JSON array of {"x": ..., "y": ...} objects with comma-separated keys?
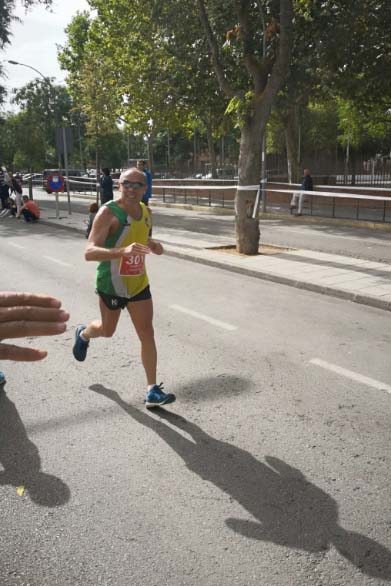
[
  {"x": 80, "y": 347},
  {"x": 2, "y": 379},
  {"x": 156, "y": 397}
]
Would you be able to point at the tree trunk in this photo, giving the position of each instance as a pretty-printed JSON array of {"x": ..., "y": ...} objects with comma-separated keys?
[
  {"x": 347, "y": 156},
  {"x": 150, "y": 152},
  {"x": 353, "y": 167},
  {"x": 266, "y": 84},
  {"x": 97, "y": 165},
  {"x": 247, "y": 227}
]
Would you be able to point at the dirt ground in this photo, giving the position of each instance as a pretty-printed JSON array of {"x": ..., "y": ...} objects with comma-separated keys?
[{"x": 263, "y": 249}]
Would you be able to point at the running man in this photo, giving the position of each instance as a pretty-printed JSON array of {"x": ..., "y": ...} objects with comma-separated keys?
[{"x": 119, "y": 241}]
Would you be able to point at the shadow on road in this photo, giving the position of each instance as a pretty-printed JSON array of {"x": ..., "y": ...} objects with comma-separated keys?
[
  {"x": 223, "y": 386},
  {"x": 22, "y": 463},
  {"x": 290, "y": 510}
]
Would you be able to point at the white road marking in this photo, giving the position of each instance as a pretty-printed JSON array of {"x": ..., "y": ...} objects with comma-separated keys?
[
  {"x": 16, "y": 245},
  {"x": 59, "y": 262},
  {"x": 360, "y": 378},
  {"x": 211, "y": 320}
]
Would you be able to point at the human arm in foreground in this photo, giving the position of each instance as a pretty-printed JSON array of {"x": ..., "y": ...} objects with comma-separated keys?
[{"x": 28, "y": 315}]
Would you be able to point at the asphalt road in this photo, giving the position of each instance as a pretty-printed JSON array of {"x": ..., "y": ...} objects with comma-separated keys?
[
  {"x": 272, "y": 468},
  {"x": 329, "y": 237}
]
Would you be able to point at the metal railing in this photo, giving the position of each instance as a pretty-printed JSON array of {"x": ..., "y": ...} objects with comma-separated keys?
[
  {"x": 208, "y": 195},
  {"x": 375, "y": 207}
]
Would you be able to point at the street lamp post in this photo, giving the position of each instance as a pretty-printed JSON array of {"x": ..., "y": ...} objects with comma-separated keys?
[
  {"x": 50, "y": 85},
  {"x": 44, "y": 77},
  {"x": 30, "y": 67},
  {"x": 262, "y": 184},
  {"x": 47, "y": 81}
]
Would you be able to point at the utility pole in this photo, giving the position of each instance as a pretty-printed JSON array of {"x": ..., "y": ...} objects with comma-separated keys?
[
  {"x": 49, "y": 83},
  {"x": 261, "y": 194}
]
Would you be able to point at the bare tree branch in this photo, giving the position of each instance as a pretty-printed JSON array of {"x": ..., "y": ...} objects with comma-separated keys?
[
  {"x": 223, "y": 82},
  {"x": 281, "y": 65},
  {"x": 254, "y": 68}
]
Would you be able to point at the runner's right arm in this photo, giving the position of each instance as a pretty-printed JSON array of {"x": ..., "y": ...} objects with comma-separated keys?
[{"x": 95, "y": 250}]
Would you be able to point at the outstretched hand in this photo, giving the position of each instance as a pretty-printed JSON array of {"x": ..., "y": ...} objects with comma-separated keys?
[{"x": 24, "y": 315}]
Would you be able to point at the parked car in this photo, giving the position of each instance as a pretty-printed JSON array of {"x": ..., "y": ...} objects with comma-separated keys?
[{"x": 36, "y": 178}]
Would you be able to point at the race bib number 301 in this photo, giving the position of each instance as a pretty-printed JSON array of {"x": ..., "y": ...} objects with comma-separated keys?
[{"x": 132, "y": 266}]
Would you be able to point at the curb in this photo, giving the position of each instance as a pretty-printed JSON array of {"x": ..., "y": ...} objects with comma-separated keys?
[{"x": 171, "y": 250}]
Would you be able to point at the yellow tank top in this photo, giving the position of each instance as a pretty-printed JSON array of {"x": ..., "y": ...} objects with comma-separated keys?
[{"x": 125, "y": 277}]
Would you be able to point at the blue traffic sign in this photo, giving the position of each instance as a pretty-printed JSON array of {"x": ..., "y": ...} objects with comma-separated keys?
[{"x": 56, "y": 183}]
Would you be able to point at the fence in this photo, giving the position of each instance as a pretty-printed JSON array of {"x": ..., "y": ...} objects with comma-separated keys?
[
  {"x": 373, "y": 205},
  {"x": 368, "y": 204}
]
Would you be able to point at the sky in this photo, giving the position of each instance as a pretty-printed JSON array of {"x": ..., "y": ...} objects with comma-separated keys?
[{"x": 34, "y": 42}]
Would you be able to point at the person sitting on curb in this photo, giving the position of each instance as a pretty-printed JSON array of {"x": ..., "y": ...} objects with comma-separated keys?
[{"x": 30, "y": 210}]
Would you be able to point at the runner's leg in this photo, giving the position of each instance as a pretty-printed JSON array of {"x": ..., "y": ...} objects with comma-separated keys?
[
  {"x": 106, "y": 326},
  {"x": 141, "y": 313}
]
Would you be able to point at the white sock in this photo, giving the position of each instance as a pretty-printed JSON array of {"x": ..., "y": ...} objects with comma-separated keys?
[
  {"x": 83, "y": 338},
  {"x": 150, "y": 387}
]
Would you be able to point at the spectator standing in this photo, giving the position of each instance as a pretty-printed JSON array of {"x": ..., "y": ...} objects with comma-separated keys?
[
  {"x": 106, "y": 186},
  {"x": 17, "y": 188},
  {"x": 5, "y": 184},
  {"x": 142, "y": 166},
  {"x": 30, "y": 210},
  {"x": 19, "y": 181},
  {"x": 306, "y": 185}
]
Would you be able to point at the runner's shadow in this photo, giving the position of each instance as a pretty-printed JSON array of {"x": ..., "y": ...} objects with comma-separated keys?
[
  {"x": 21, "y": 461},
  {"x": 289, "y": 510}
]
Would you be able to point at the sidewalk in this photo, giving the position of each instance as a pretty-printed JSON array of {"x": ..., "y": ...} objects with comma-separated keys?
[{"x": 361, "y": 281}]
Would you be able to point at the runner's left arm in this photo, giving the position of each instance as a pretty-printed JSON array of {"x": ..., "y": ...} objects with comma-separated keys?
[{"x": 155, "y": 247}]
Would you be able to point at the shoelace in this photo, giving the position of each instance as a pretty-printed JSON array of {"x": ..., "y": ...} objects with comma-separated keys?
[{"x": 160, "y": 387}]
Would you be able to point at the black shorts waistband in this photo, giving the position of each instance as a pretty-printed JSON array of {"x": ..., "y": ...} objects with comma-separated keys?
[{"x": 116, "y": 302}]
